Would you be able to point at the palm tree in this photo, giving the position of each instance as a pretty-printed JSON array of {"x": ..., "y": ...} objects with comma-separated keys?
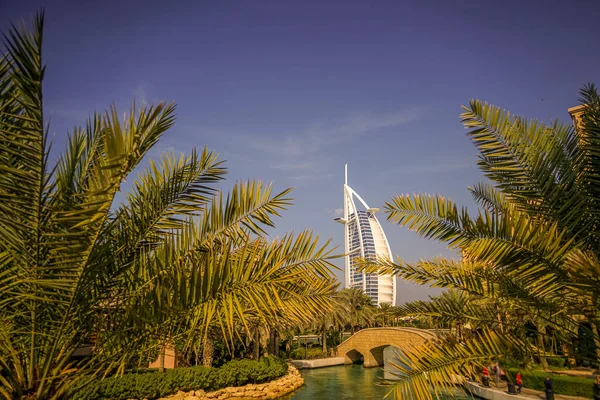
[
  {"x": 360, "y": 308},
  {"x": 334, "y": 319},
  {"x": 176, "y": 258},
  {"x": 384, "y": 311},
  {"x": 453, "y": 309},
  {"x": 533, "y": 247}
]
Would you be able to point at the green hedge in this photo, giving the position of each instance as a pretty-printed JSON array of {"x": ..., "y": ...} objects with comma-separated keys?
[
  {"x": 562, "y": 384},
  {"x": 558, "y": 362},
  {"x": 155, "y": 385},
  {"x": 311, "y": 354}
]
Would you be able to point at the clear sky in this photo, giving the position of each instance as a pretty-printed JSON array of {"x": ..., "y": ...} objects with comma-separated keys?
[{"x": 289, "y": 91}]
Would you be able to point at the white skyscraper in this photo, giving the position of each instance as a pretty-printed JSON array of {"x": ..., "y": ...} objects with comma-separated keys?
[{"x": 364, "y": 238}]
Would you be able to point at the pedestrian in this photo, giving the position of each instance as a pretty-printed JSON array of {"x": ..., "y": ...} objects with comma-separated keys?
[
  {"x": 497, "y": 373},
  {"x": 549, "y": 389},
  {"x": 519, "y": 382},
  {"x": 597, "y": 388},
  {"x": 486, "y": 377}
]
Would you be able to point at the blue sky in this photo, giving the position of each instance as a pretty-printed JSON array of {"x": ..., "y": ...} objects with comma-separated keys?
[{"x": 289, "y": 91}]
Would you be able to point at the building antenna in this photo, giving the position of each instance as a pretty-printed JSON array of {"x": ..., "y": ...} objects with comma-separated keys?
[{"x": 346, "y": 174}]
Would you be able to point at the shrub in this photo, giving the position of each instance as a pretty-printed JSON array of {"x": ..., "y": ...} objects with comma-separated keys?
[
  {"x": 558, "y": 362},
  {"x": 154, "y": 385},
  {"x": 311, "y": 354},
  {"x": 563, "y": 384}
]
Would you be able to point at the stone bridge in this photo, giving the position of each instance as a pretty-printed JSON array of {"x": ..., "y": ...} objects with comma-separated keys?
[{"x": 368, "y": 344}]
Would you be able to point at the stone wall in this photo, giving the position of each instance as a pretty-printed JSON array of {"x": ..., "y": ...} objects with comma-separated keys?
[
  {"x": 577, "y": 115},
  {"x": 270, "y": 390}
]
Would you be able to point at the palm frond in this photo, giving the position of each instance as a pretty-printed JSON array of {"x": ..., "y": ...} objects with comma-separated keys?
[
  {"x": 249, "y": 206},
  {"x": 587, "y": 163},
  {"x": 503, "y": 239},
  {"x": 531, "y": 163},
  {"x": 283, "y": 278},
  {"x": 176, "y": 258},
  {"x": 485, "y": 281},
  {"x": 584, "y": 269},
  {"x": 162, "y": 199},
  {"x": 426, "y": 370},
  {"x": 489, "y": 197},
  {"x": 433, "y": 217}
]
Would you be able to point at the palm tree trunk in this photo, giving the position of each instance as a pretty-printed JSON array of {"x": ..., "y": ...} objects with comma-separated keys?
[
  {"x": 499, "y": 318},
  {"x": 324, "y": 336},
  {"x": 271, "y": 346},
  {"x": 276, "y": 343},
  {"x": 567, "y": 349},
  {"x": 500, "y": 325},
  {"x": 542, "y": 346},
  {"x": 256, "y": 343},
  {"x": 208, "y": 352},
  {"x": 161, "y": 359},
  {"x": 596, "y": 339},
  {"x": 268, "y": 349}
]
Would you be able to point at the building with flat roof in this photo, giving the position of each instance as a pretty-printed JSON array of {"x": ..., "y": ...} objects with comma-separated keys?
[{"x": 364, "y": 238}]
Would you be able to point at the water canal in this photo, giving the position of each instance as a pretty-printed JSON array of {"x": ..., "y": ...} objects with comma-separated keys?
[{"x": 348, "y": 382}]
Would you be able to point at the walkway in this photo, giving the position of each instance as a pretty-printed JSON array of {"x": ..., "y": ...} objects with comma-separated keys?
[
  {"x": 501, "y": 392},
  {"x": 580, "y": 372},
  {"x": 319, "y": 362}
]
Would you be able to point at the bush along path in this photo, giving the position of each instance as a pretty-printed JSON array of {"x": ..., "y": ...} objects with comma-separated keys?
[
  {"x": 573, "y": 386},
  {"x": 241, "y": 378},
  {"x": 268, "y": 391}
]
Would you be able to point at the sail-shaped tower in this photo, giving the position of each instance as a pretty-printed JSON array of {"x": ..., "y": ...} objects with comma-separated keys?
[{"x": 364, "y": 238}]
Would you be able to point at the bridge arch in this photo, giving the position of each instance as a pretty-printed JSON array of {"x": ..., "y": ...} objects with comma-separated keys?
[
  {"x": 354, "y": 356},
  {"x": 370, "y": 344},
  {"x": 377, "y": 353}
]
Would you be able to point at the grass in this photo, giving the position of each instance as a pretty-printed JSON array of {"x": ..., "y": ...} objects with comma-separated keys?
[{"x": 562, "y": 384}]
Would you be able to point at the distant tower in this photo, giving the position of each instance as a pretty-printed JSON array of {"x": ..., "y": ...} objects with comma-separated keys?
[{"x": 364, "y": 238}]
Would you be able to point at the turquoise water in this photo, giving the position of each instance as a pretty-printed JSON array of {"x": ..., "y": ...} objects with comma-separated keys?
[
  {"x": 346, "y": 382},
  {"x": 343, "y": 382}
]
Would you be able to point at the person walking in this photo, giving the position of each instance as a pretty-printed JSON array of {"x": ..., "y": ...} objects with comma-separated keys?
[
  {"x": 486, "y": 377},
  {"x": 549, "y": 389},
  {"x": 497, "y": 373},
  {"x": 597, "y": 388},
  {"x": 519, "y": 382}
]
